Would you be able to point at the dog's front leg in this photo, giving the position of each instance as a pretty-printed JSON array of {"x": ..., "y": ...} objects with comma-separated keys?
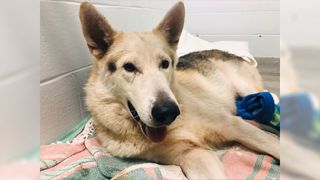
[
  {"x": 200, "y": 164},
  {"x": 252, "y": 137}
]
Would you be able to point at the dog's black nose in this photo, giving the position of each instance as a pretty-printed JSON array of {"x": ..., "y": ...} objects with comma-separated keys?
[{"x": 164, "y": 113}]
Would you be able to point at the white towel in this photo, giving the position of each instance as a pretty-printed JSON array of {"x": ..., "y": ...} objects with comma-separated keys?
[{"x": 190, "y": 43}]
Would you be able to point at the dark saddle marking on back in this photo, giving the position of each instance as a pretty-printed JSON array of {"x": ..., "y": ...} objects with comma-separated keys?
[{"x": 201, "y": 61}]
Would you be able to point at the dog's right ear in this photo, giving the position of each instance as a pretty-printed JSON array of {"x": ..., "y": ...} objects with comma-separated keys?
[{"x": 96, "y": 30}]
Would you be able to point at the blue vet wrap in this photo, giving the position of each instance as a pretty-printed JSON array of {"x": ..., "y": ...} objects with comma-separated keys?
[
  {"x": 259, "y": 107},
  {"x": 297, "y": 113}
]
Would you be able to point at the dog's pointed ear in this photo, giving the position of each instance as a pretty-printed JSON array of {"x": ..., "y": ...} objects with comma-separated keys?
[
  {"x": 172, "y": 24},
  {"x": 96, "y": 30}
]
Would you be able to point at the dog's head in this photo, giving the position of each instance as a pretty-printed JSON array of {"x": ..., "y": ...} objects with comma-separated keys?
[{"x": 138, "y": 67}]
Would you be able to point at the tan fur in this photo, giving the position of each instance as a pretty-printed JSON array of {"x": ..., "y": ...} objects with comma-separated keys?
[
  {"x": 206, "y": 102},
  {"x": 289, "y": 81}
]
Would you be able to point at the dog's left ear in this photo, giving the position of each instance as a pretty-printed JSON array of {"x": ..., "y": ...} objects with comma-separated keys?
[{"x": 172, "y": 24}]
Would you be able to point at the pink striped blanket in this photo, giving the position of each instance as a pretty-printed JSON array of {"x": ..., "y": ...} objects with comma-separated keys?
[{"x": 83, "y": 157}]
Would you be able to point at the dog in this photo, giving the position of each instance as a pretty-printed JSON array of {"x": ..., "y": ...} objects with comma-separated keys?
[{"x": 148, "y": 104}]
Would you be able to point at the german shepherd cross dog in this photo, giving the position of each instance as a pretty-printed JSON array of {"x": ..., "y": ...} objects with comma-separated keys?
[{"x": 148, "y": 104}]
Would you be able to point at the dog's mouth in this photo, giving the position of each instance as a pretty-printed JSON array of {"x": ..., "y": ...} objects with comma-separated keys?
[{"x": 155, "y": 134}]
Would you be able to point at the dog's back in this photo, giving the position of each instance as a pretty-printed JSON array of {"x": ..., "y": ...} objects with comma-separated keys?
[{"x": 225, "y": 75}]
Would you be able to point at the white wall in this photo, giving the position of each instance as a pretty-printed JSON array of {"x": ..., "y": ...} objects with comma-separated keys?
[
  {"x": 19, "y": 78},
  {"x": 300, "y": 23},
  {"x": 64, "y": 55}
]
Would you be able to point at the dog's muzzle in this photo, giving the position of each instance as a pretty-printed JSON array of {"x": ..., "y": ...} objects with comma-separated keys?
[{"x": 163, "y": 114}]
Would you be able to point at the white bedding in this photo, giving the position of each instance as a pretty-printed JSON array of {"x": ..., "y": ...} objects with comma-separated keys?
[{"x": 190, "y": 43}]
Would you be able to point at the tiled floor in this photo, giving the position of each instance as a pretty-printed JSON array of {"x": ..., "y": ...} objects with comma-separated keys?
[{"x": 270, "y": 71}]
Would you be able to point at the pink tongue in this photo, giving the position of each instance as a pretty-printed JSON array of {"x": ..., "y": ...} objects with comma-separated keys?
[{"x": 156, "y": 134}]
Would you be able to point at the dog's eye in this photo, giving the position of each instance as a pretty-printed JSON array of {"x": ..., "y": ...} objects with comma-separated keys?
[
  {"x": 165, "y": 64},
  {"x": 129, "y": 67}
]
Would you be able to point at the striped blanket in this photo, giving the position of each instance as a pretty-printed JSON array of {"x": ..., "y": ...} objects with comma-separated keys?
[{"x": 79, "y": 155}]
